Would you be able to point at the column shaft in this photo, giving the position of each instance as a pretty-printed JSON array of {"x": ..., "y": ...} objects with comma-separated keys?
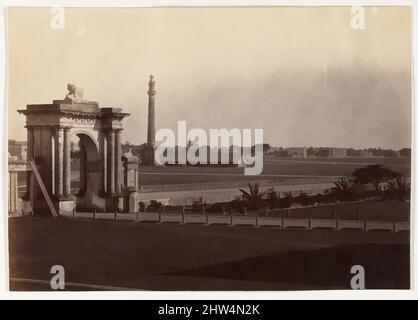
[
  {"x": 67, "y": 162},
  {"x": 118, "y": 162},
  {"x": 111, "y": 162},
  {"x": 103, "y": 155},
  {"x": 11, "y": 190},
  {"x": 59, "y": 159},
  {"x": 29, "y": 156},
  {"x": 15, "y": 191}
]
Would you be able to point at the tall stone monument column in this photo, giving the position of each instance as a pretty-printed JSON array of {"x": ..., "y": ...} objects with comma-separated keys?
[
  {"x": 151, "y": 112},
  {"x": 148, "y": 153}
]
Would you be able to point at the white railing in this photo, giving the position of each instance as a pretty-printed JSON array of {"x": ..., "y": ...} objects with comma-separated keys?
[{"x": 249, "y": 220}]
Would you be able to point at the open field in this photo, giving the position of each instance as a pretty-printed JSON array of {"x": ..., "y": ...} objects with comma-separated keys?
[
  {"x": 192, "y": 257},
  {"x": 273, "y": 168}
]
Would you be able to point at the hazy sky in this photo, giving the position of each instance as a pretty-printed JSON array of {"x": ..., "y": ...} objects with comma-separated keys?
[{"x": 302, "y": 74}]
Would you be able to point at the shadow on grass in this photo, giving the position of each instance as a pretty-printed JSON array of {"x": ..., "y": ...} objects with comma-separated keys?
[{"x": 386, "y": 267}]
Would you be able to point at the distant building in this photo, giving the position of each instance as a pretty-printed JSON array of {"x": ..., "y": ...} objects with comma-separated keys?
[
  {"x": 337, "y": 153},
  {"x": 297, "y": 152},
  {"x": 18, "y": 149},
  {"x": 366, "y": 154}
]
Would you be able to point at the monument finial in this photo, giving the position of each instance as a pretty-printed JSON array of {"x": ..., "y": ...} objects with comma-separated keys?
[
  {"x": 151, "y": 86},
  {"x": 74, "y": 93}
]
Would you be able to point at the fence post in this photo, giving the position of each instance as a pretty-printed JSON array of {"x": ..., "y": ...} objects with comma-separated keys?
[
  {"x": 223, "y": 210},
  {"x": 182, "y": 218},
  {"x": 365, "y": 223},
  {"x": 207, "y": 219},
  {"x": 256, "y": 221},
  {"x": 336, "y": 221},
  {"x": 203, "y": 209},
  {"x": 137, "y": 216},
  {"x": 283, "y": 222},
  {"x": 230, "y": 220},
  {"x": 309, "y": 221},
  {"x": 159, "y": 217},
  {"x": 184, "y": 208},
  {"x": 393, "y": 222}
]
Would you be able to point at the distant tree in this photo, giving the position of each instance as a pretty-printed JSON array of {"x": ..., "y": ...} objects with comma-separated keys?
[
  {"x": 287, "y": 201},
  {"x": 272, "y": 198},
  {"x": 154, "y": 206},
  {"x": 373, "y": 174},
  {"x": 311, "y": 151},
  {"x": 254, "y": 197},
  {"x": 237, "y": 205},
  {"x": 197, "y": 204},
  {"x": 405, "y": 152},
  {"x": 283, "y": 154},
  {"x": 398, "y": 188},
  {"x": 390, "y": 153},
  {"x": 303, "y": 199},
  {"x": 266, "y": 147}
]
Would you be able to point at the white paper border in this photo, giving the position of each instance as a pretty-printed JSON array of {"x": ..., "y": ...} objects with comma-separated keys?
[{"x": 195, "y": 295}]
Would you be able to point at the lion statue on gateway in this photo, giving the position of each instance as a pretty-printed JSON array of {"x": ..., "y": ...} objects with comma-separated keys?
[{"x": 74, "y": 94}]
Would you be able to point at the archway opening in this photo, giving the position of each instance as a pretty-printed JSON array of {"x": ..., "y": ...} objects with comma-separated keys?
[{"x": 85, "y": 173}]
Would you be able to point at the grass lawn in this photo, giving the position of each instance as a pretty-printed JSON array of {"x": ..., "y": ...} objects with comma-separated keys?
[
  {"x": 271, "y": 168},
  {"x": 192, "y": 257}
]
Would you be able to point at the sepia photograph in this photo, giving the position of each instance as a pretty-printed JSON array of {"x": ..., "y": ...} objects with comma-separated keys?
[{"x": 258, "y": 148}]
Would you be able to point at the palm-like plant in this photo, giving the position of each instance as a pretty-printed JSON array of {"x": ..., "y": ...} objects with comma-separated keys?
[
  {"x": 254, "y": 197},
  {"x": 344, "y": 190}
]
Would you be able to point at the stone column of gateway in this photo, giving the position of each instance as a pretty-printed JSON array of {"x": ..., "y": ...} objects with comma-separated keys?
[
  {"x": 110, "y": 162},
  {"x": 118, "y": 162},
  {"x": 67, "y": 162},
  {"x": 30, "y": 156},
  {"x": 59, "y": 160}
]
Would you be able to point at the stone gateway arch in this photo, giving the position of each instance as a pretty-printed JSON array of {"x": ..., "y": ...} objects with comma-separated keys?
[{"x": 50, "y": 128}]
